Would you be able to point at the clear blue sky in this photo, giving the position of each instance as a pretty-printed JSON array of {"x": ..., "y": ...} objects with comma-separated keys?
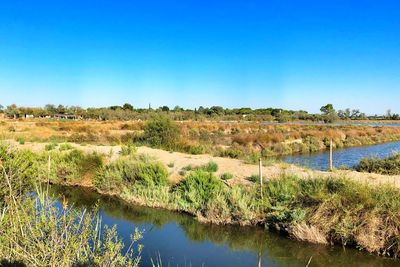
[{"x": 290, "y": 54}]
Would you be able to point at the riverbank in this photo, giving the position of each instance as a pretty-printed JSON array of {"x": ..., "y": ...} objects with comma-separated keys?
[
  {"x": 240, "y": 170},
  {"x": 327, "y": 209},
  {"x": 243, "y": 141}
]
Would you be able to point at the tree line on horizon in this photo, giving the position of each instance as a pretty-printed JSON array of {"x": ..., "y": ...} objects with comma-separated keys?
[{"x": 128, "y": 112}]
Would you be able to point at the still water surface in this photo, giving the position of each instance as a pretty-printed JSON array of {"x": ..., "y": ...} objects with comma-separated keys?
[
  {"x": 343, "y": 157},
  {"x": 182, "y": 241}
]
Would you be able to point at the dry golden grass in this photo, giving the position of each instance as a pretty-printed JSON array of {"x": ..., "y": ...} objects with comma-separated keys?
[
  {"x": 308, "y": 233},
  {"x": 211, "y": 136}
]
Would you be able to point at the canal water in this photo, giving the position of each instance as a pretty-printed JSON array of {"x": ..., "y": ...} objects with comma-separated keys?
[
  {"x": 348, "y": 157},
  {"x": 179, "y": 240}
]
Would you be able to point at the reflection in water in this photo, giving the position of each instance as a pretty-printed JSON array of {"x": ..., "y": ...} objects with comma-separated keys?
[
  {"x": 343, "y": 157},
  {"x": 180, "y": 240}
]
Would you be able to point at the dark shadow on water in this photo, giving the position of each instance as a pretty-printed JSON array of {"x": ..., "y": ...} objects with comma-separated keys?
[{"x": 235, "y": 245}]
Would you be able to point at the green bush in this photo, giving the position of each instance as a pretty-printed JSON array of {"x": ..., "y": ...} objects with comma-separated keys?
[
  {"x": 209, "y": 167},
  {"x": 233, "y": 153},
  {"x": 65, "y": 146},
  {"x": 161, "y": 131},
  {"x": 198, "y": 189},
  {"x": 226, "y": 176},
  {"x": 128, "y": 149},
  {"x": 390, "y": 165},
  {"x": 70, "y": 166},
  {"x": 36, "y": 233},
  {"x": 255, "y": 178},
  {"x": 195, "y": 150},
  {"x": 18, "y": 168},
  {"x": 21, "y": 140},
  {"x": 50, "y": 146},
  {"x": 130, "y": 172},
  {"x": 150, "y": 174}
]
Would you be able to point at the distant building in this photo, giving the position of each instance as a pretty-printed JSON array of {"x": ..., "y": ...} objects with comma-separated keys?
[
  {"x": 67, "y": 117},
  {"x": 29, "y": 116}
]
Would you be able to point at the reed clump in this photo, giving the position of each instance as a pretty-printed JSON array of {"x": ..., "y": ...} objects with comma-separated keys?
[{"x": 36, "y": 232}]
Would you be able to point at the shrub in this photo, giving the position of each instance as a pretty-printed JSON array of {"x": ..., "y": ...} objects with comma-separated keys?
[
  {"x": 196, "y": 150},
  {"x": 390, "y": 165},
  {"x": 171, "y": 164},
  {"x": 129, "y": 149},
  {"x": 234, "y": 153},
  {"x": 209, "y": 167},
  {"x": 152, "y": 173},
  {"x": 255, "y": 178},
  {"x": 73, "y": 165},
  {"x": 198, "y": 189},
  {"x": 188, "y": 168},
  {"x": 36, "y": 233},
  {"x": 226, "y": 176},
  {"x": 50, "y": 146},
  {"x": 65, "y": 146},
  {"x": 21, "y": 140},
  {"x": 130, "y": 172},
  {"x": 161, "y": 131}
]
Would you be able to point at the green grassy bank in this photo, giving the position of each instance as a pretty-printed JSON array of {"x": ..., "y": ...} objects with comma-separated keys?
[{"x": 321, "y": 210}]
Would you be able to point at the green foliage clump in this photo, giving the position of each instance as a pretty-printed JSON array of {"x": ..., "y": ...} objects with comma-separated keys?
[
  {"x": 17, "y": 169},
  {"x": 196, "y": 150},
  {"x": 390, "y": 165},
  {"x": 129, "y": 172},
  {"x": 50, "y": 146},
  {"x": 162, "y": 132},
  {"x": 21, "y": 140},
  {"x": 33, "y": 232},
  {"x": 255, "y": 178},
  {"x": 226, "y": 176},
  {"x": 198, "y": 189},
  {"x": 65, "y": 146},
  {"x": 209, "y": 167},
  {"x": 150, "y": 174},
  {"x": 128, "y": 149}
]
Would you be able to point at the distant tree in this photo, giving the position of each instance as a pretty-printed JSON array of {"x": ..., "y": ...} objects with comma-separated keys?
[
  {"x": 127, "y": 106},
  {"x": 115, "y": 107},
  {"x": 327, "y": 109},
  {"x": 355, "y": 114},
  {"x": 329, "y": 113},
  {"x": 50, "y": 109},
  {"x": 395, "y": 117},
  {"x": 216, "y": 110},
  {"x": 165, "y": 108},
  {"x": 61, "y": 109},
  {"x": 178, "y": 108},
  {"x": 1, "y": 108},
  {"x": 388, "y": 114},
  {"x": 12, "y": 111}
]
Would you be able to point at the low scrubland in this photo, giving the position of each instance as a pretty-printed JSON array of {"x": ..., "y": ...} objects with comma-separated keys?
[
  {"x": 314, "y": 209},
  {"x": 245, "y": 140}
]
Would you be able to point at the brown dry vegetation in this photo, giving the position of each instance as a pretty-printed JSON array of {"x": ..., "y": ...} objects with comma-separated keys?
[{"x": 234, "y": 140}]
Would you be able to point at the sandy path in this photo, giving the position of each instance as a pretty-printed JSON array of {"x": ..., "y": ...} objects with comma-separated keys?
[{"x": 240, "y": 170}]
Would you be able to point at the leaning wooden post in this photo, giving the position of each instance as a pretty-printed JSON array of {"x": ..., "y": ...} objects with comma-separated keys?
[{"x": 331, "y": 155}]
